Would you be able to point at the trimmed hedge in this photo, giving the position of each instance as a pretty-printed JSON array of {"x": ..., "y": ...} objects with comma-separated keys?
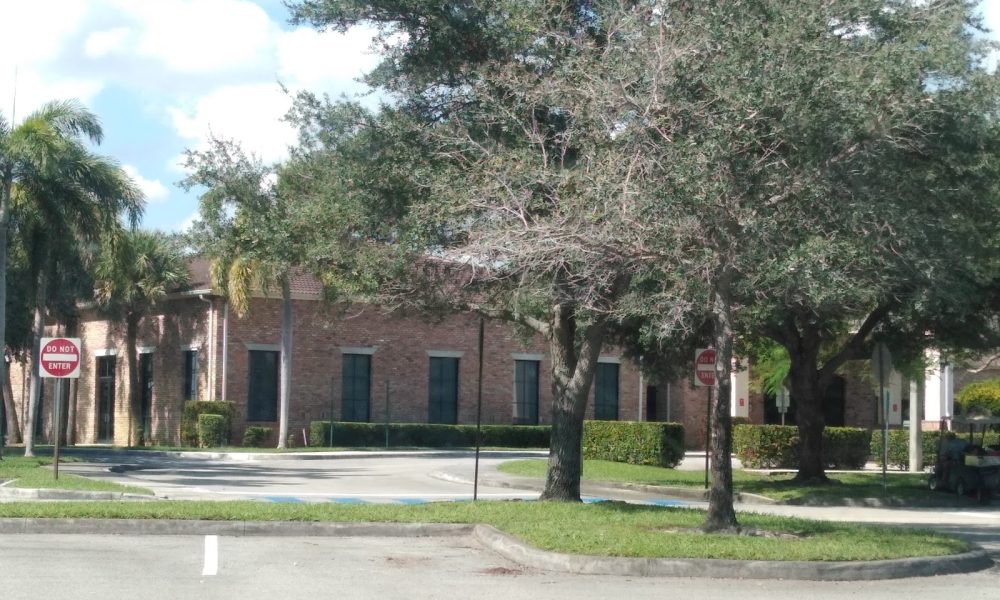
[
  {"x": 256, "y": 436},
  {"x": 212, "y": 430},
  {"x": 194, "y": 408},
  {"x": 427, "y": 434},
  {"x": 636, "y": 443},
  {"x": 777, "y": 446}
]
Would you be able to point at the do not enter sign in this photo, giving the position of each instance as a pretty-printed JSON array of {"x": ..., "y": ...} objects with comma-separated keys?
[
  {"x": 704, "y": 367},
  {"x": 59, "y": 358}
]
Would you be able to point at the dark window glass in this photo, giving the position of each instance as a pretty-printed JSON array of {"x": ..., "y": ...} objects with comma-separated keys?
[
  {"x": 606, "y": 392},
  {"x": 262, "y": 399},
  {"x": 526, "y": 392},
  {"x": 190, "y": 375},
  {"x": 105, "y": 398},
  {"x": 356, "y": 387},
  {"x": 442, "y": 386}
]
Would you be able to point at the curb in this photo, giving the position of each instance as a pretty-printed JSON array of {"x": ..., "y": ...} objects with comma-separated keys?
[
  {"x": 512, "y": 549},
  {"x": 265, "y": 456},
  {"x": 60, "y": 494},
  {"x": 521, "y": 553}
]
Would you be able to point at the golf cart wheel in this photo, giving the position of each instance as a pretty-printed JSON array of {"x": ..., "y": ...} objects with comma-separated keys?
[
  {"x": 960, "y": 488},
  {"x": 934, "y": 483},
  {"x": 983, "y": 495}
]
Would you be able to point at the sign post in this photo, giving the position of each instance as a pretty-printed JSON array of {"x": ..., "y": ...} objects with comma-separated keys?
[
  {"x": 782, "y": 400},
  {"x": 59, "y": 358},
  {"x": 704, "y": 376}
]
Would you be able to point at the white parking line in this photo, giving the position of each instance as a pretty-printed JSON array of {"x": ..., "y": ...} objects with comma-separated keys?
[{"x": 211, "y": 555}]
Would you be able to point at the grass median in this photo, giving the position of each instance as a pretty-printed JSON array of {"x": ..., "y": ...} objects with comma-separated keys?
[
  {"x": 606, "y": 528},
  {"x": 22, "y": 472},
  {"x": 902, "y": 487}
]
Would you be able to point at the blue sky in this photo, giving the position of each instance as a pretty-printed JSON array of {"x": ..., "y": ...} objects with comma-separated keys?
[{"x": 163, "y": 74}]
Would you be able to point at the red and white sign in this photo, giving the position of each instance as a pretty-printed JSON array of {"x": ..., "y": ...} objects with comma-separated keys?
[
  {"x": 704, "y": 367},
  {"x": 59, "y": 358}
]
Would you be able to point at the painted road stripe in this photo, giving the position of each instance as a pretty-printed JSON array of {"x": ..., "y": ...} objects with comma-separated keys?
[
  {"x": 211, "y": 555},
  {"x": 284, "y": 499}
]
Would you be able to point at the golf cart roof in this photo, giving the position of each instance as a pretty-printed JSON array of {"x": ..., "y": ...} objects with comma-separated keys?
[{"x": 975, "y": 421}]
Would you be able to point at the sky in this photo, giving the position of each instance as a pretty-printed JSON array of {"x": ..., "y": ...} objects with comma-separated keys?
[{"x": 163, "y": 75}]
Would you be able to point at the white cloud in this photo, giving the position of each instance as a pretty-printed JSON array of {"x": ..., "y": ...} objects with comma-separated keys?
[
  {"x": 307, "y": 57},
  {"x": 102, "y": 43},
  {"x": 202, "y": 36},
  {"x": 152, "y": 189},
  {"x": 250, "y": 114}
]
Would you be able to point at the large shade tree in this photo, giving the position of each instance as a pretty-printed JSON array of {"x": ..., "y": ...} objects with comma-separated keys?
[{"x": 246, "y": 230}]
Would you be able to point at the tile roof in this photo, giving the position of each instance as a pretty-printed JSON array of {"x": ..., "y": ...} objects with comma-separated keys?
[{"x": 303, "y": 283}]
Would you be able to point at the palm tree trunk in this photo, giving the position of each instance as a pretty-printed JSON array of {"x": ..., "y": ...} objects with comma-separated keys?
[
  {"x": 72, "y": 330},
  {"x": 10, "y": 409},
  {"x": 134, "y": 397},
  {"x": 38, "y": 329},
  {"x": 286, "y": 363},
  {"x": 8, "y": 183}
]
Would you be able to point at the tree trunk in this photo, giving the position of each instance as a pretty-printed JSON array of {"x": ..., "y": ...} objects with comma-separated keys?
[
  {"x": 721, "y": 515},
  {"x": 38, "y": 329},
  {"x": 286, "y": 364},
  {"x": 572, "y": 374},
  {"x": 134, "y": 397},
  {"x": 806, "y": 390},
  {"x": 72, "y": 330},
  {"x": 5, "y": 189},
  {"x": 10, "y": 409}
]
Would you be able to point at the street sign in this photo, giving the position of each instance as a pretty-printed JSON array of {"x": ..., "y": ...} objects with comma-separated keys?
[
  {"x": 704, "y": 367},
  {"x": 782, "y": 399},
  {"x": 59, "y": 358}
]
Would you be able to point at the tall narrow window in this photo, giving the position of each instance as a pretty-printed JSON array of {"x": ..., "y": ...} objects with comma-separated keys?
[
  {"x": 356, "y": 387},
  {"x": 105, "y": 398},
  {"x": 442, "y": 401},
  {"x": 190, "y": 375},
  {"x": 262, "y": 399},
  {"x": 606, "y": 392},
  {"x": 526, "y": 392}
]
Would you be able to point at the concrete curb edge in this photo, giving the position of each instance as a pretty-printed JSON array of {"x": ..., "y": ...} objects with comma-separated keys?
[{"x": 512, "y": 549}]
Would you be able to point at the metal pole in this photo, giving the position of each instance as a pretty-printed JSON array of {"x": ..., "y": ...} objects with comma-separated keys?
[
  {"x": 386, "y": 413},
  {"x": 885, "y": 416},
  {"x": 708, "y": 431},
  {"x": 58, "y": 426},
  {"x": 333, "y": 381},
  {"x": 479, "y": 413}
]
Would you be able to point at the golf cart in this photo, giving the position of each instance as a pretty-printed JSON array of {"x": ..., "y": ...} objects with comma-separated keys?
[{"x": 962, "y": 465}]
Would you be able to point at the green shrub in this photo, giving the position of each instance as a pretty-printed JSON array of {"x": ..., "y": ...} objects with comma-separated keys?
[
  {"x": 256, "y": 436},
  {"x": 194, "y": 408},
  {"x": 766, "y": 446},
  {"x": 637, "y": 443},
  {"x": 212, "y": 430},
  {"x": 427, "y": 435},
  {"x": 979, "y": 399},
  {"x": 777, "y": 446}
]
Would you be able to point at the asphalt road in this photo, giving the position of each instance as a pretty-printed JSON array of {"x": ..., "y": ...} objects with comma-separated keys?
[
  {"x": 152, "y": 567},
  {"x": 171, "y": 567}
]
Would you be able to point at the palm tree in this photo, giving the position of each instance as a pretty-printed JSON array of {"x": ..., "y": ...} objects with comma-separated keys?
[
  {"x": 243, "y": 230},
  {"x": 133, "y": 274},
  {"x": 46, "y": 170}
]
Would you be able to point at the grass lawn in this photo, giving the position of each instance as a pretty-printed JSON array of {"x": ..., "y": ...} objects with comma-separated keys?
[
  {"x": 901, "y": 486},
  {"x": 607, "y": 528},
  {"x": 29, "y": 473}
]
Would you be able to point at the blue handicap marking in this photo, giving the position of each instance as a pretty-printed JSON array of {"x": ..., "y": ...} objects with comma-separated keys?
[
  {"x": 348, "y": 501},
  {"x": 590, "y": 500},
  {"x": 284, "y": 499},
  {"x": 410, "y": 501},
  {"x": 668, "y": 502}
]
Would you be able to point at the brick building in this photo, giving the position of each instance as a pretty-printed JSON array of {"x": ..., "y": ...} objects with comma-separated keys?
[{"x": 348, "y": 359}]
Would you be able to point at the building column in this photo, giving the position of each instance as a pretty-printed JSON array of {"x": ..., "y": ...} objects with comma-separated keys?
[{"x": 739, "y": 400}]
